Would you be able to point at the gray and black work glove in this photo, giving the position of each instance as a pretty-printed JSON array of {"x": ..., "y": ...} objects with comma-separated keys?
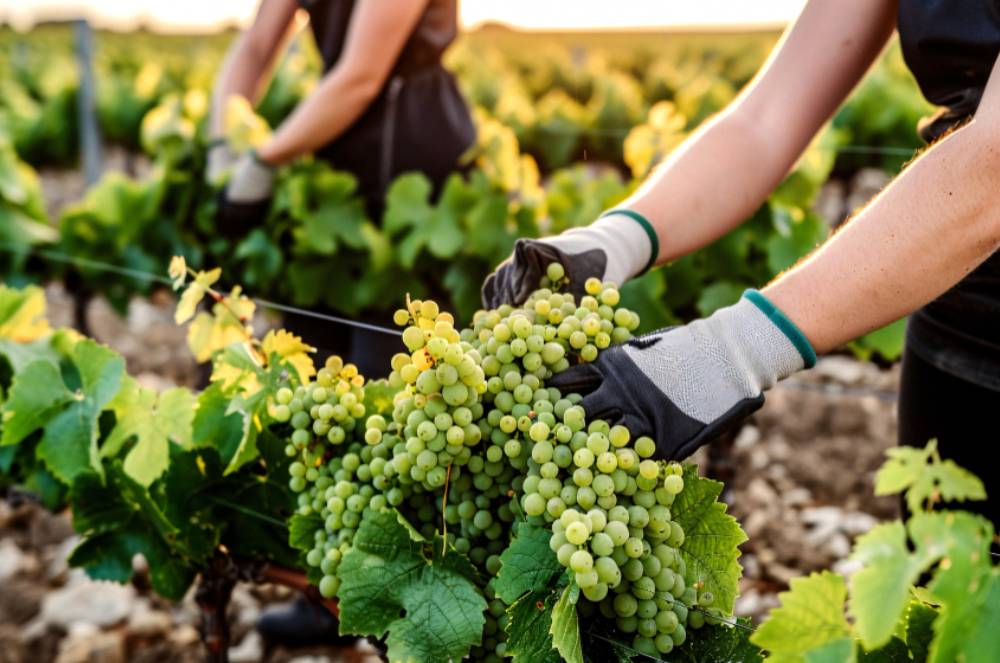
[
  {"x": 616, "y": 247},
  {"x": 245, "y": 201},
  {"x": 686, "y": 385}
]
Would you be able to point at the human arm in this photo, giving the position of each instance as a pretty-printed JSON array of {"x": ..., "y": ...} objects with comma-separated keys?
[
  {"x": 375, "y": 38},
  {"x": 726, "y": 169},
  {"x": 250, "y": 57},
  {"x": 935, "y": 223}
]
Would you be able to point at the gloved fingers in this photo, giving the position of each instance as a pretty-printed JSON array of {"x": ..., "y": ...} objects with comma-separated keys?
[
  {"x": 527, "y": 267},
  {"x": 579, "y": 379},
  {"x": 582, "y": 266},
  {"x": 489, "y": 290},
  {"x": 604, "y": 403}
]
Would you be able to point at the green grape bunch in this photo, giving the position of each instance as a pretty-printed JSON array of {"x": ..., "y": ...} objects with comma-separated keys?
[
  {"x": 434, "y": 413},
  {"x": 474, "y": 440}
]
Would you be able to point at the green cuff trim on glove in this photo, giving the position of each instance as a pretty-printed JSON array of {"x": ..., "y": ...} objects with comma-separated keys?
[
  {"x": 654, "y": 241},
  {"x": 787, "y": 327}
]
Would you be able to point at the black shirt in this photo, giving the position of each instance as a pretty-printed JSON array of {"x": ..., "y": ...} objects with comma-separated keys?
[
  {"x": 951, "y": 46},
  {"x": 418, "y": 122}
]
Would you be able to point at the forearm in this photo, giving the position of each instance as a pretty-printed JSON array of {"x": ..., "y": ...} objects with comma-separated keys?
[
  {"x": 933, "y": 225},
  {"x": 713, "y": 182},
  {"x": 241, "y": 71},
  {"x": 333, "y": 106}
]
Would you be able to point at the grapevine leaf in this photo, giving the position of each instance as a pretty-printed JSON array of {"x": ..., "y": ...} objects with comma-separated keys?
[
  {"x": 894, "y": 651},
  {"x": 428, "y": 602},
  {"x": 841, "y": 650},
  {"x": 983, "y": 643},
  {"x": 292, "y": 349},
  {"x": 19, "y": 355},
  {"x": 712, "y": 644},
  {"x": 69, "y": 445},
  {"x": 338, "y": 217},
  {"x": 880, "y": 591},
  {"x": 96, "y": 509},
  {"x": 919, "y": 621},
  {"x": 961, "y": 579},
  {"x": 528, "y": 637},
  {"x": 711, "y": 538},
  {"x": 527, "y": 564},
  {"x": 302, "y": 531},
  {"x": 121, "y": 519},
  {"x": 153, "y": 420},
  {"x": 214, "y": 426},
  {"x": 565, "y": 628},
  {"x": 36, "y": 394},
  {"x": 22, "y": 314},
  {"x": 811, "y": 615},
  {"x": 923, "y": 475},
  {"x": 109, "y": 556}
]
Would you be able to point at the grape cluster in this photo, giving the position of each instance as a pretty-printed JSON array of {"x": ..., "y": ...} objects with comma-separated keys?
[
  {"x": 329, "y": 408},
  {"x": 474, "y": 439},
  {"x": 436, "y": 411}
]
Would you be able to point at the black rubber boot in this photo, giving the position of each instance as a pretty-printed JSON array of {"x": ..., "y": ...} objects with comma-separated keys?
[{"x": 301, "y": 623}]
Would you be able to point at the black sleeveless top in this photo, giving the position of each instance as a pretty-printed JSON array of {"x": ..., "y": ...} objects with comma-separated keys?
[
  {"x": 419, "y": 121},
  {"x": 951, "y": 46}
]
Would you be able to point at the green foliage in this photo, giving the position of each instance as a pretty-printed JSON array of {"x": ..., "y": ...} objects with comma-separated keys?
[
  {"x": 527, "y": 564},
  {"x": 923, "y": 476},
  {"x": 711, "y": 538},
  {"x": 952, "y": 618},
  {"x": 426, "y": 601}
]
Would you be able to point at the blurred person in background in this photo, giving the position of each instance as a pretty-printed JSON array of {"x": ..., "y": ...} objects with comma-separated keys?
[
  {"x": 385, "y": 105},
  {"x": 926, "y": 245}
]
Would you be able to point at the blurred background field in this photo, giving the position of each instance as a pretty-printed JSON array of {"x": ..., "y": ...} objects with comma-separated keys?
[{"x": 568, "y": 124}]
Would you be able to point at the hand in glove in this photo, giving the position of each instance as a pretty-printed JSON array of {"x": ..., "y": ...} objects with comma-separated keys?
[
  {"x": 616, "y": 247},
  {"x": 246, "y": 199},
  {"x": 685, "y": 386},
  {"x": 218, "y": 161}
]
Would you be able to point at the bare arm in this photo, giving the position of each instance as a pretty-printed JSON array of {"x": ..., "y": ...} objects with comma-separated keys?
[
  {"x": 251, "y": 56},
  {"x": 375, "y": 38},
  {"x": 933, "y": 225},
  {"x": 726, "y": 169}
]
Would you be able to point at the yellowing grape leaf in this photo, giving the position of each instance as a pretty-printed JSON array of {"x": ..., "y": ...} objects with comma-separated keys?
[
  {"x": 224, "y": 326},
  {"x": 22, "y": 314},
  {"x": 292, "y": 349}
]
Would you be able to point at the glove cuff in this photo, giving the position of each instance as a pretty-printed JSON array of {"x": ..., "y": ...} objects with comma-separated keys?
[
  {"x": 628, "y": 240},
  {"x": 785, "y": 325},
  {"x": 647, "y": 227}
]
